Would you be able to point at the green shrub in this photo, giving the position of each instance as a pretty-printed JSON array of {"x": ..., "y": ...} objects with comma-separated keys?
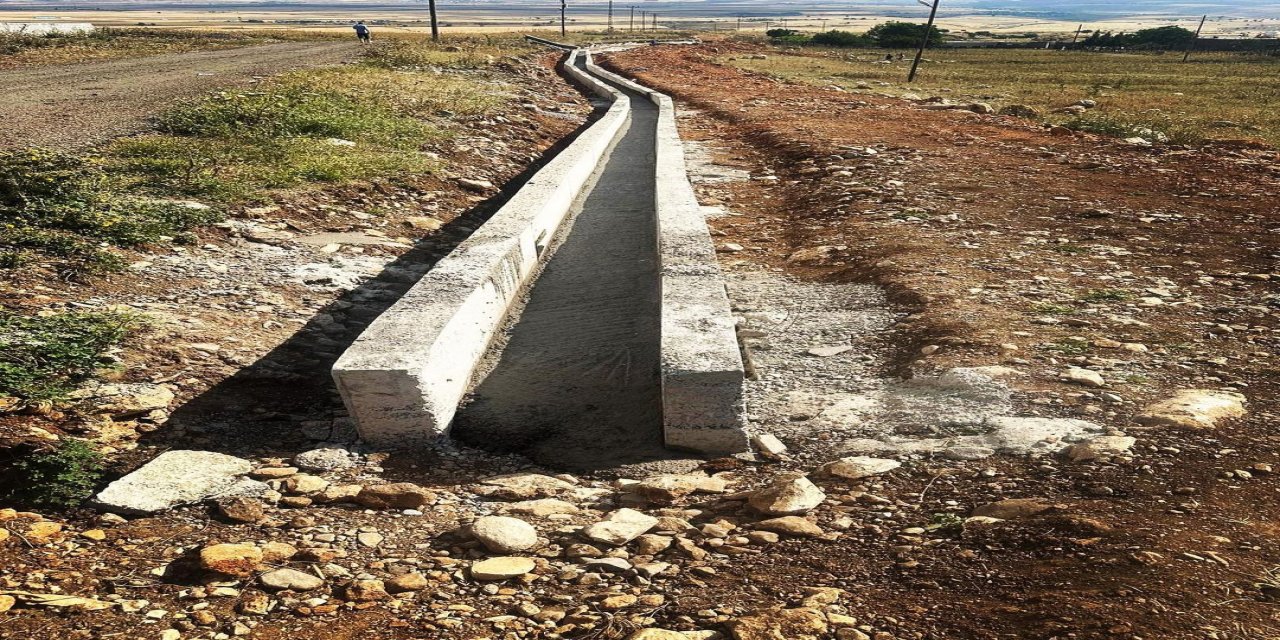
[
  {"x": 44, "y": 357},
  {"x": 60, "y": 477},
  {"x": 836, "y": 38},
  {"x": 903, "y": 35}
]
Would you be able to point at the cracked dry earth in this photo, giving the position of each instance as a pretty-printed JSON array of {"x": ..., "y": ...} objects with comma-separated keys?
[{"x": 955, "y": 439}]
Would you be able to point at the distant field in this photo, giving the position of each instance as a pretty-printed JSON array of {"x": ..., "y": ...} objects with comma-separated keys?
[{"x": 1215, "y": 96}]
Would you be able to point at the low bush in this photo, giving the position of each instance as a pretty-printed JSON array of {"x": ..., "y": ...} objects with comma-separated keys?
[
  {"x": 60, "y": 477},
  {"x": 44, "y": 357},
  {"x": 835, "y": 38}
]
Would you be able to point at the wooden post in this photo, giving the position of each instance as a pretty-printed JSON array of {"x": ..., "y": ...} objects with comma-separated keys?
[
  {"x": 610, "y": 16},
  {"x": 1077, "y": 37},
  {"x": 1192, "y": 45},
  {"x": 435, "y": 22},
  {"x": 924, "y": 42},
  {"x": 632, "y": 26},
  {"x": 562, "y": 7}
]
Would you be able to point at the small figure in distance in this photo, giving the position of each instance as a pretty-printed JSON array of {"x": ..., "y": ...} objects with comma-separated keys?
[
  {"x": 362, "y": 32},
  {"x": 888, "y": 57}
]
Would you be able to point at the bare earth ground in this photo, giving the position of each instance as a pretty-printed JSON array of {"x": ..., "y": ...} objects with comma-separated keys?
[
  {"x": 992, "y": 232},
  {"x": 843, "y": 220},
  {"x": 84, "y": 104}
]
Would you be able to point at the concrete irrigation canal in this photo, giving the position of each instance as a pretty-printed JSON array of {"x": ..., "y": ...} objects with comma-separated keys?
[{"x": 585, "y": 324}]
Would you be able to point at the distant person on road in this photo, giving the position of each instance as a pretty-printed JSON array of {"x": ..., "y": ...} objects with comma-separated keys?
[{"x": 363, "y": 33}]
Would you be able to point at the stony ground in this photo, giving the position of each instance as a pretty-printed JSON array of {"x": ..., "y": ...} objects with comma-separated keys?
[{"x": 958, "y": 325}]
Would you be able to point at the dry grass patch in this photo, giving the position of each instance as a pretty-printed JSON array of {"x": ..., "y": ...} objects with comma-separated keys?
[{"x": 1215, "y": 96}]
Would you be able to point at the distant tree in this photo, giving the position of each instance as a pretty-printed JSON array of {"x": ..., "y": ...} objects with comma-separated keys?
[
  {"x": 1170, "y": 37},
  {"x": 836, "y": 38},
  {"x": 902, "y": 35},
  {"x": 787, "y": 36}
]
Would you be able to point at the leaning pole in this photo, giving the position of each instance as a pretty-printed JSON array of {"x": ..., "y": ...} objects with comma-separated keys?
[{"x": 924, "y": 41}]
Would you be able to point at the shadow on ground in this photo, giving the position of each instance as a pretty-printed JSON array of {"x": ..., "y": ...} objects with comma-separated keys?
[{"x": 286, "y": 401}]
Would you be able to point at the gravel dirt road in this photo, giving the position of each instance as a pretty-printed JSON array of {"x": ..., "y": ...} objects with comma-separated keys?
[{"x": 84, "y": 104}]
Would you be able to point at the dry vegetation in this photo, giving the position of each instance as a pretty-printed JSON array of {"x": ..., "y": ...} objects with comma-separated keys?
[{"x": 1215, "y": 96}]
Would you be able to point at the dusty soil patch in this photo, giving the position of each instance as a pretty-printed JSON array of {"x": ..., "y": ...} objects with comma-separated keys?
[{"x": 1012, "y": 246}]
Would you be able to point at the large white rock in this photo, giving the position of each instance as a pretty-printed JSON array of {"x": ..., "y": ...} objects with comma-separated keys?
[
  {"x": 788, "y": 495},
  {"x": 1195, "y": 408},
  {"x": 174, "y": 478},
  {"x": 858, "y": 467},
  {"x": 501, "y": 534},
  {"x": 620, "y": 527},
  {"x": 324, "y": 459}
]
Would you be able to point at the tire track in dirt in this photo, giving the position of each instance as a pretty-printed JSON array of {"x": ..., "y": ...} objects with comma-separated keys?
[{"x": 79, "y": 105}]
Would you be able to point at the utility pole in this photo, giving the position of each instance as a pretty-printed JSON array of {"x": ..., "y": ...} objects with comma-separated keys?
[
  {"x": 924, "y": 41},
  {"x": 611, "y": 16},
  {"x": 632, "y": 25},
  {"x": 435, "y": 23},
  {"x": 562, "y": 6},
  {"x": 654, "y": 22},
  {"x": 1192, "y": 45},
  {"x": 739, "y": 27},
  {"x": 824, "y": 26}
]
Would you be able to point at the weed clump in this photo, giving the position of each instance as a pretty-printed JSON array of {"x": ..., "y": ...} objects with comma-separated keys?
[
  {"x": 1153, "y": 126},
  {"x": 1106, "y": 295},
  {"x": 61, "y": 477},
  {"x": 68, "y": 207},
  {"x": 44, "y": 357}
]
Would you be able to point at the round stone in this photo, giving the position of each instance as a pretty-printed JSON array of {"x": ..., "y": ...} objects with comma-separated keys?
[{"x": 501, "y": 534}]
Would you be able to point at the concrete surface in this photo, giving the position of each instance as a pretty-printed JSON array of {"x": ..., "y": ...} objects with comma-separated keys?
[
  {"x": 403, "y": 378},
  {"x": 621, "y": 343},
  {"x": 702, "y": 370},
  {"x": 576, "y": 383}
]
